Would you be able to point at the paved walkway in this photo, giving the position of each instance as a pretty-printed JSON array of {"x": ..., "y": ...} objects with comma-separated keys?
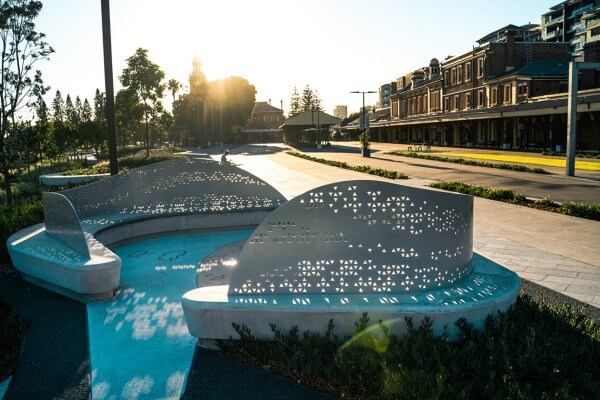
[
  {"x": 585, "y": 186},
  {"x": 556, "y": 251}
]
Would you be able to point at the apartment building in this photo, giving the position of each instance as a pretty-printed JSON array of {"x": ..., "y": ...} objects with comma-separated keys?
[{"x": 565, "y": 22}]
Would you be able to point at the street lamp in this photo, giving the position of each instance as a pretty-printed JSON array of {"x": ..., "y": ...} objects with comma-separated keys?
[{"x": 365, "y": 141}]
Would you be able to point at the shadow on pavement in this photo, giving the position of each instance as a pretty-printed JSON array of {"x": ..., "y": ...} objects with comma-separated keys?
[{"x": 213, "y": 376}]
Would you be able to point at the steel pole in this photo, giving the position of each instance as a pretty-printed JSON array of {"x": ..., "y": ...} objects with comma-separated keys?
[
  {"x": 110, "y": 92},
  {"x": 572, "y": 117}
]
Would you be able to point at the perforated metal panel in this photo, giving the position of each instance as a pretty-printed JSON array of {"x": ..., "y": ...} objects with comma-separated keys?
[
  {"x": 359, "y": 237},
  {"x": 62, "y": 223},
  {"x": 180, "y": 186}
]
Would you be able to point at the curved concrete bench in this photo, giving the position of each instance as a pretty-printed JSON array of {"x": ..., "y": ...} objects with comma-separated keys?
[
  {"x": 347, "y": 248},
  {"x": 68, "y": 253}
]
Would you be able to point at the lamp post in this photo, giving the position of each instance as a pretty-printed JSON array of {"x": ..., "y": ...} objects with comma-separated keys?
[{"x": 365, "y": 138}]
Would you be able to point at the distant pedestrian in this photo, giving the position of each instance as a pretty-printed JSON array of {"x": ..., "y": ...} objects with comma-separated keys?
[{"x": 224, "y": 156}]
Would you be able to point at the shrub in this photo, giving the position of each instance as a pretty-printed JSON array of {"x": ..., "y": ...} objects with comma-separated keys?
[
  {"x": 581, "y": 210},
  {"x": 535, "y": 350},
  {"x": 385, "y": 173},
  {"x": 19, "y": 217},
  {"x": 12, "y": 330},
  {"x": 125, "y": 163}
]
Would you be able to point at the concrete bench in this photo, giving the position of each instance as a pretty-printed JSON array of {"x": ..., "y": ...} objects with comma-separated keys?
[
  {"x": 68, "y": 253},
  {"x": 419, "y": 147}
]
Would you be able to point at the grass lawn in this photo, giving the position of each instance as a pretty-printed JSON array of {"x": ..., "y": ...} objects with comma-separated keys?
[{"x": 547, "y": 162}]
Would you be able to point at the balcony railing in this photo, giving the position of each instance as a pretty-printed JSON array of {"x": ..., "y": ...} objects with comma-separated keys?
[
  {"x": 581, "y": 9},
  {"x": 554, "y": 20}
]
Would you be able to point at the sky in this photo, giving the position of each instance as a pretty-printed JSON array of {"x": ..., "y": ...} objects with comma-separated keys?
[{"x": 335, "y": 46}]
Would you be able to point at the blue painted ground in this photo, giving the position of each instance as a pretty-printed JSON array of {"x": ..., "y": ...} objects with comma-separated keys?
[
  {"x": 140, "y": 347},
  {"x": 4, "y": 386}
]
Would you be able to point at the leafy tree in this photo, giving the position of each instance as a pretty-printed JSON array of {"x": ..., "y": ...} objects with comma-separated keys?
[
  {"x": 295, "y": 103},
  {"x": 310, "y": 100},
  {"x": 128, "y": 113},
  {"x": 22, "y": 48},
  {"x": 143, "y": 80}
]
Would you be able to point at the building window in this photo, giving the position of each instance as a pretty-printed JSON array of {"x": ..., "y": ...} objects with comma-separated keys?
[
  {"x": 507, "y": 97},
  {"x": 447, "y": 78},
  {"x": 453, "y": 76},
  {"x": 459, "y": 74},
  {"x": 480, "y": 98},
  {"x": 468, "y": 102},
  {"x": 456, "y": 102},
  {"x": 467, "y": 72},
  {"x": 494, "y": 96},
  {"x": 480, "y": 67},
  {"x": 425, "y": 108},
  {"x": 446, "y": 104},
  {"x": 523, "y": 89}
]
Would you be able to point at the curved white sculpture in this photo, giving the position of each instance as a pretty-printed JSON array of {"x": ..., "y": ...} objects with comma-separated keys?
[
  {"x": 347, "y": 248},
  {"x": 68, "y": 254},
  {"x": 359, "y": 237}
]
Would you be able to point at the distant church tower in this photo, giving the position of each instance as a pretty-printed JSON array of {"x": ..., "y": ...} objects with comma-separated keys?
[{"x": 197, "y": 77}]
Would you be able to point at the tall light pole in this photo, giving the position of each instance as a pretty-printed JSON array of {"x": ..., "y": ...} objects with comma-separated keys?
[
  {"x": 364, "y": 123},
  {"x": 110, "y": 93}
]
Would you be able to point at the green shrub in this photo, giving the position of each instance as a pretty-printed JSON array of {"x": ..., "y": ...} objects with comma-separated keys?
[
  {"x": 125, "y": 163},
  {"x": 534, "y": 351},
  {"x": 12, "y": 330},
  {"x": 19, "y": 217},
  {"x": 385, "y": 173},
  {"x": 581, "y": 210}
]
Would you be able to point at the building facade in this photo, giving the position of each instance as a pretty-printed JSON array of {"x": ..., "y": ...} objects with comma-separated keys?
[
  {"x": 263, "y": 125},
  {"x": 340, "y": 112},
  {"x": 505, "y": 93},
  {"x": 567, "y": 22}
]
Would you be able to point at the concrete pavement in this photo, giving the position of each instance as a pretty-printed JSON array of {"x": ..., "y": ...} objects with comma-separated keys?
[
  {"x": 584, "y": 187},
  {"x": 556, "y": 251}
]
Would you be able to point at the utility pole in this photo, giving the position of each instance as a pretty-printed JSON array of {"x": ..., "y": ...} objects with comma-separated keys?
[
  {"x": 365, "y": 144},
  {"x": 110, "y": 91}
]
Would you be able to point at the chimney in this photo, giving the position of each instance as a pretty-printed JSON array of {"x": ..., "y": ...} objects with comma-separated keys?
[
  {"x": 417, "y": 77},
  {"x": 269, "y": 101}
]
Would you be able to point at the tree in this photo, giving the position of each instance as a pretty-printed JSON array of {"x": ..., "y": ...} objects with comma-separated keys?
[
  {"x": 86, "y": 111},
  {"x": 58, "y": 107},
  {"x": 143, "y": 80},
  {"x": 295, "y": 104},
  {"x": 174, "y": 86},
  {"x": 128, "y": 113},
  {"x": 310, "y": 100},
  {"x": 22, "y": 48}
]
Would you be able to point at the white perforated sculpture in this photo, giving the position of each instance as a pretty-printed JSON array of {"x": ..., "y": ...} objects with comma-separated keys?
[{"x": 345, "y": 248}]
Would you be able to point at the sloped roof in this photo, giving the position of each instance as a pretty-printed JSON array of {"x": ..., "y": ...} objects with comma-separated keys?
[
  {"x": 311, "y": 118},
  {"x": 263, "y": 106},
  {"x": 540, "y": 69}
]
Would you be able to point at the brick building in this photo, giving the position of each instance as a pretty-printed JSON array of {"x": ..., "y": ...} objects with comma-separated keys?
[{"x": 505, "y": 93}]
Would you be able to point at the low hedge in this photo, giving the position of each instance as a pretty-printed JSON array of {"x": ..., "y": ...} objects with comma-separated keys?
[
  {"x": 125, "y": 163},
  {"x": 580, "y": 210},
  {"x": 385, "y": 173},
  {"x": 534, "y": 351},
  {"x": 511, "y": 167}
]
